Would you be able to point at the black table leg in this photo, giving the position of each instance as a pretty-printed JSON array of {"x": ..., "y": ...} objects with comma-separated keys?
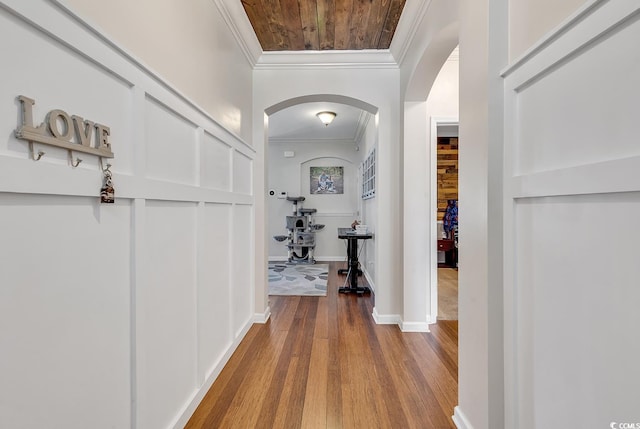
[{"x": 352, "y": 252}]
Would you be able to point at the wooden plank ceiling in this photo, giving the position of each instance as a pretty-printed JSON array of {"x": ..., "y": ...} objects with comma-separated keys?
[{"x": 297, "y": 25}]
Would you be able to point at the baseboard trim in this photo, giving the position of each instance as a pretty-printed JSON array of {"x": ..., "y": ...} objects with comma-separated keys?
[
  {"x": 414, "y": 326},
  {"x": 319, "y": 259},
  {"x": 262, "y": 318},
  {"x": 460, "y": 420},
  {"x": 385, "y": 319},
  {"x": 331, "y": 259},
  {"x": 197, "y": 397}
]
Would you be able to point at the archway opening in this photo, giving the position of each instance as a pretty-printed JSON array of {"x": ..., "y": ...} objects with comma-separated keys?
[
  {"x": 429, "y": 96},
  {"x": 296, "y": 142}
]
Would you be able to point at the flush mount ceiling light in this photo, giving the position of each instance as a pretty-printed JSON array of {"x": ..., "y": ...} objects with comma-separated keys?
[{"x": 326, "y": 117}]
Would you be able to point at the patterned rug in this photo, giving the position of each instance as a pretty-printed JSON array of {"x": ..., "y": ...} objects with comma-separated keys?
[{"x": 298, "y": 279}]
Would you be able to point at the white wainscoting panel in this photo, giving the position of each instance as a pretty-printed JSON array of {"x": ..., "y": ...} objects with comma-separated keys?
[
  {"x": 242, "y": 173},
  {"x": 582, "y": 122},
  {"x": 114, "y": 315},
  {"x": 571, "y": 205},
  {"x": 64, "y": 311},
  {"x": 242, "y": 264},
  {"x": 167, "y": 312},
  {"x": 171, "y": 145},
  {"x": 576, "y": 300},
  {"x": 78, "y": 87},
  {"x": 214, "y": 291},
  {"x": 216, "y": 160}
]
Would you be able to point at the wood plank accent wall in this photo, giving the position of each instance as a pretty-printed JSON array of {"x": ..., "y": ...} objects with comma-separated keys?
[{"x": 447, "y": 172}]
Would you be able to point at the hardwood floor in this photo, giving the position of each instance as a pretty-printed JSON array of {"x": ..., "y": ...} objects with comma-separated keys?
[
  {"x": 321, "y": 362},
  {"x": 447, "y": 294}
]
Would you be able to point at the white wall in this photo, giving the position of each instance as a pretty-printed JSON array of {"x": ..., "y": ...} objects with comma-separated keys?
[
  {"x": 473, "y": 217},
  {"x": 436, "y": 37},
  {"x": 368, "y": 212},
  {"x": 190, "y": 47},
  {"x": 443, "y": 100},
  {"x": 63, "y": 312},
  {"x": 530, "y": 20},
  {"x": 291, "y": 175},
  {"x": 114, "y": 315},
  {"x": 272, "y": 86},
  {"x": 559, "y": 365},
  {"x": 420, "y": 266},
  {"x": 571, "y": 292}
]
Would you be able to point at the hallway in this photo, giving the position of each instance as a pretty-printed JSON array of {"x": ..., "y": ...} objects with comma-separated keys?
[
  {"x": 447, "y": 294},
  {"x": 322, "y": 362}
]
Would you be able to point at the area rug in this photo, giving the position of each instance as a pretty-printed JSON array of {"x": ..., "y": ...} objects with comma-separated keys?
[{"x": 298, "y": 279}]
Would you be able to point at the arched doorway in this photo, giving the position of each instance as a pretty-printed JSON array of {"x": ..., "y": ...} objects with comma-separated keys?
[
  {"x": 420, "y": 206},
  {"x": 299, "y": 110}
]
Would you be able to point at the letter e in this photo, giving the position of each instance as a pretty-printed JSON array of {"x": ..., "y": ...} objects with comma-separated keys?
[{"x": 103, "y": 136}]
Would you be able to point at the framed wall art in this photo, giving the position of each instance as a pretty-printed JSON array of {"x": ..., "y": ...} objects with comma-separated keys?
[{"x": 326, "y": 180}]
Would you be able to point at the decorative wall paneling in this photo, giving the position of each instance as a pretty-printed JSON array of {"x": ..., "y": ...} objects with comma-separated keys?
[
  {"x": 572, "y": 198},
  {"x": 121, "y": 315},
  {"x": 64, "y": 314}
]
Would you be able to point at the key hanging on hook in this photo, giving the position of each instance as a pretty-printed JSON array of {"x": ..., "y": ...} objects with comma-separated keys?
[{"x": 107, "y": 193}]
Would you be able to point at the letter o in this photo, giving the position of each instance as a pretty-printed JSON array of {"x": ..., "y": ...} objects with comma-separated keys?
[{"x": 53, "y": 124}]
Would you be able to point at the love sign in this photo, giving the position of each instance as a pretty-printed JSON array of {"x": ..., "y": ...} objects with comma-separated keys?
[{"x": 65, "y": 131}]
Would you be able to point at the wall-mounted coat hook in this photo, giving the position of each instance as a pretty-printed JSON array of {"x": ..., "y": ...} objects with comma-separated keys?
[
  {"x": 74, "y": 162},
  {"x": 102, "y": 166},
  {"x": 33, "y": 153}
]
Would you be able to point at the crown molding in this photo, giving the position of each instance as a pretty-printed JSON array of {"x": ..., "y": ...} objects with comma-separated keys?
[
  {"x": 366, "y": 58},
  {"x": 412, "y": 16},
  {"x": 286, "y": 140},
  {"x": 236, "y": 19}
]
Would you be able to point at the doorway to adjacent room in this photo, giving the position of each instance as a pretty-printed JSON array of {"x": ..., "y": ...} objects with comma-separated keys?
[{"x": 445, "y": 146}]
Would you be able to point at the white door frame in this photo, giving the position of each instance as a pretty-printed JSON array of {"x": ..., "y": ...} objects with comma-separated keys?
[{"x": 433, "y": 210}]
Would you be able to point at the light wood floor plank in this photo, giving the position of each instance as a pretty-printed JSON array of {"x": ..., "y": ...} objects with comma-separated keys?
[
  {"x": 447, "y": 294},
  {"x": 321, "y": 362},
  {"x": 314, "y": 413}
]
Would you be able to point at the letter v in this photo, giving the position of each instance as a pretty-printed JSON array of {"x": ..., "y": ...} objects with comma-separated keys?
[{"x": 83, "y": 130}]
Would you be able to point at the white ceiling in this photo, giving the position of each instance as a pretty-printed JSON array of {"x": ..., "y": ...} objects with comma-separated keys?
[{"x": 300, "y": 124}]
